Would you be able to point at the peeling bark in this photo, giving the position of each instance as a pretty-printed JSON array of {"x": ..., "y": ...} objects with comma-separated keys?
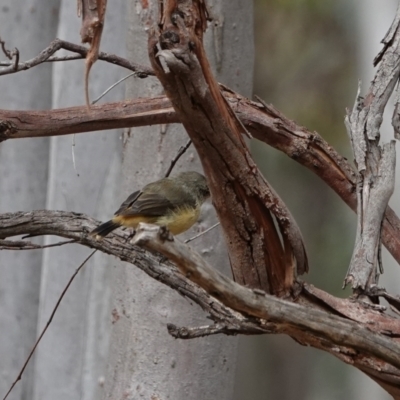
[
  {"x": 245, "y": 203},
  {"x": 356, "y": 333}
]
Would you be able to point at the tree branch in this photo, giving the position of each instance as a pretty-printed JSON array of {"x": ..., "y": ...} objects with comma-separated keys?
[
  {"x": 57, "y": 44},
  {"x": 93, "y": 13},
  {"x": 304, "y": 323},
  {"x": 201, "y": 331},
  {"x": 263, "y": 121},
  {"x": 317, "y": 321},
  {"x": 375, "y": 164},
  {"x": 76, "y": 227},
  {"x": 24, "y": 245},
  {"x": 262, "y": 254}
]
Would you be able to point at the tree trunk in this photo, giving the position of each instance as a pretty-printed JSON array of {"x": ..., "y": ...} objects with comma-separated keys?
[
  {"x": 23, "y": 181},
  {"x": 144, "y": 359},
  {"x": 70, "y": 361}
]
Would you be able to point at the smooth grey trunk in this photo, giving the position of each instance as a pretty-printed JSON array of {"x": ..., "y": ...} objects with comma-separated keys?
[
  {"x": 70, "y": 361},
  {"x": 145, "y": 362},
  {"x": 23, "y": 181}
]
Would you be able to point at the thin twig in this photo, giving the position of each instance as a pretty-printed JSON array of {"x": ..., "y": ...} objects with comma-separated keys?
[
  {"x": 184, "y": 332},
  {"x": 11, "y": 55},
  {"x": 51, "y": 59},
  {"x": 202, "y": 233},
  {"x": 23, "y": 245},
  {"x": 181, "y": 151},
  {"x": 48, "y": 323},
  {"x": 15, "y": 54},
  {"x": 112, "y": 87},
  {"x": 65, "y": 58},
  {"x": 57, "y": 44},
  {"x": 6, "y": 52}
]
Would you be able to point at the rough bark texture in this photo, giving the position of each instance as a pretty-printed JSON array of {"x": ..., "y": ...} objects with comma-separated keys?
[
  {"x": 361, "y": 334},
  {"x": 243, "y": 199},
  {"x": 178, "y": 58},
  {"x": 375, "y": 164},
  {"x": 93, "y": 15},
  {"x": 357, "y": 333},
  {"x": 368, "y": 37},
  {"x": 263, "y": 121},
  {"x": 144, "y": 359}
]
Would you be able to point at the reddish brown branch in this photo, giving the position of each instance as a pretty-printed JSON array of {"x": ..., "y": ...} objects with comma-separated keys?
[
  {"x": 245, "y": 203},
  {"x": 93, "y": 13},
  {"x": 263, "y": 121}
]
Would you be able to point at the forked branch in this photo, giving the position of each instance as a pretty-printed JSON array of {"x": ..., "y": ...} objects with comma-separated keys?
[
  {"x": 245, "y": 203},
  {"x": 350, "y": 337}
]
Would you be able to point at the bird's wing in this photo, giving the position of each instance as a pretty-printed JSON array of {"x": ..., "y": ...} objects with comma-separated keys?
[
  {"x": 128, "y": 202},
  {"x": 149, "y": 204}
]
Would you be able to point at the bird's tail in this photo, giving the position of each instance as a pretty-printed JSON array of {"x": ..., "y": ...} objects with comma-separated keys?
[{"x": 104, "y": 229}]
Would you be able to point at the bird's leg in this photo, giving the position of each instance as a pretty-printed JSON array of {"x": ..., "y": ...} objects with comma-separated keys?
[{"x": 131, "y": 234}]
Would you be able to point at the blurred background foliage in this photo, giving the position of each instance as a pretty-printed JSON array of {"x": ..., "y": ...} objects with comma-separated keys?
[{"x": 306, "y": 66}]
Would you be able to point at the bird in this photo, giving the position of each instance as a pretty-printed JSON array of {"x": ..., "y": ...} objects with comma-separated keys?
[{"x": 174, "y": 202}]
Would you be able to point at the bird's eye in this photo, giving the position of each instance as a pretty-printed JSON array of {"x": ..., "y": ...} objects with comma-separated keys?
[{"x": 205, "y": 192}]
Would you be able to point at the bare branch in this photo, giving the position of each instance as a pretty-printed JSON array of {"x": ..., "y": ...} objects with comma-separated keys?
[
  {"x": 12, "y": 55},
  {"x": 297, "y": 320},
  {"x": 375, "y": 164},
  {"x": 6, "y": 52},
  {"x": 113, "y": 86},
  {"x": 93, "y": 13},
  {"x": 180, "y": 153},
  {"x": 57, "y": 44},
  {"x": 245, "y": 203},
  {"x": 201, "y": 331},
  {"x": 23, "y": 245},
  {"x": 77, "y": 227},
  {"x": 265, "y": 123},
  {"x": 202, "y": 233},
  {"x": 293, "y": 319}
]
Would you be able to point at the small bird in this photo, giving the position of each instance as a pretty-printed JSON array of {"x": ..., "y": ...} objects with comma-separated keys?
[{"x": 172, "y": 202}]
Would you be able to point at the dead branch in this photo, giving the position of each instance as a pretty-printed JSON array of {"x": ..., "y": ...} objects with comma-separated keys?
[
  {"x": 24, "y": 245},
  {"x": 208, "y": 330},
  {"x": 180, "y": 153},
  {"x": 12, "y": 55},
  {"x": 57, "y": 44},
  {"x": 263, "y": 121},
  {"x": 375, "y": 164},
  {"x": 93, "y": 14},
  {"x": 309, "y": 322},
  {"x": 359, "y": 334},
  {"x": 76, "y": 227},
  {"x": 245, "y": 203},
  {"x": 304, "y": 323}
]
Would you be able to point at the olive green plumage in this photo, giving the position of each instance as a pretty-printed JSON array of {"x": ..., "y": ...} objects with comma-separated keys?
[{"x": 174, "y": 202}]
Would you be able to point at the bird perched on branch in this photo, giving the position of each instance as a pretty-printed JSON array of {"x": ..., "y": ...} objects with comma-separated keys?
[{"x": 172, "y": 202}]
